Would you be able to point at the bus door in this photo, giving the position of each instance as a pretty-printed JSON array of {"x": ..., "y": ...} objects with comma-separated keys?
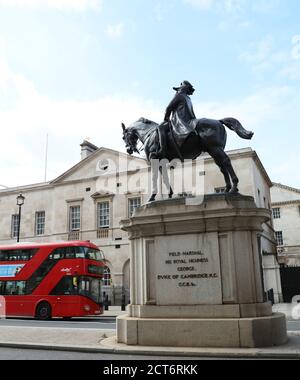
[{"x": 67, "y": 303}]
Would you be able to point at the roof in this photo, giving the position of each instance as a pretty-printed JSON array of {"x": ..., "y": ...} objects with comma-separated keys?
[
  {"x": 57, "y": 244},
  {"x": 244, "y": 152},
  {"x": 285, "y": 187},
  {"x": 18, "y": 189}
]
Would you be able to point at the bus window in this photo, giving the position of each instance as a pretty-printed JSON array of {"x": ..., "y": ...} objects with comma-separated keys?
[
  {"x": 3, "y": 256},
  {"x": 57, "y": 254},
  {"x": 15, "y": 288},
  {"x": 2, "y": 287},
  {"x": 93, "y": 254},
  {"x": 17, "y": 255},
  {"x": 69, "y": 253},
  {"x": 79, "y": 252},
  {"x": 12, "y": 257}
]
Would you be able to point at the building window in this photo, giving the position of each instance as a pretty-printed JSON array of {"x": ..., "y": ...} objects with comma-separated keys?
[
  {"x": 40, "y": 223},
  {"x": 74, "y": 218},
  {"x": 14, "y": 225},
  {"x": 103, "y": 215},
  {"x": 133, "y": 203},
  {"x": 276, "y": 213},
  {"x": 279, "y": 237},
  {"x": 258, "y": 197},
  {"x": 106, "y": 277},
  {"x": 220, "y": 190}
]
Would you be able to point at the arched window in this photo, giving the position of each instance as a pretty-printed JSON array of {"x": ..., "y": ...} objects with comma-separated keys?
[{"x": 106, "y": 276}]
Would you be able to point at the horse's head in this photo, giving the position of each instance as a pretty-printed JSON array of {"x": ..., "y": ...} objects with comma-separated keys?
[{"x": 130, "y": 138}]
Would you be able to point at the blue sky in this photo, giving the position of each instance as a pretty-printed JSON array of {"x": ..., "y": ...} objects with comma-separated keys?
[{"x": 77, "y": 68}]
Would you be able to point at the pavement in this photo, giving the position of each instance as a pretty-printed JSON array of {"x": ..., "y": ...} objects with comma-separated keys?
[{"x": 104, "y": 341}]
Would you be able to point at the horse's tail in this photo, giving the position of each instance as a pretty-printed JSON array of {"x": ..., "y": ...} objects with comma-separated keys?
[{"x": 237, "y": 127}]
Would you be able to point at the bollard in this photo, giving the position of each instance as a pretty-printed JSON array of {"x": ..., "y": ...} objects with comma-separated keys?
[
  {"x": 106, "y": 303},
  {"x": 123, "y": 306}
]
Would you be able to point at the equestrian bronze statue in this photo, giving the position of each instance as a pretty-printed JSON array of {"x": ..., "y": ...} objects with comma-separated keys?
[{"x": 183, "y": 136}]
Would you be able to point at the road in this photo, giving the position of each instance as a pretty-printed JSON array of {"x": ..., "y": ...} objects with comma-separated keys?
[
  {"x": 103, "y": 323},
  {"x": 293, "y": 325}
]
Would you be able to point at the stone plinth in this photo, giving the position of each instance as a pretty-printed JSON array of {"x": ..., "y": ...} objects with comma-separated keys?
[{"x": 196, "y": 276}]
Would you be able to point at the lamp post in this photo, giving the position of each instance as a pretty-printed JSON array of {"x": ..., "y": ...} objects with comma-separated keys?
[{"x": 20, "y": 202}]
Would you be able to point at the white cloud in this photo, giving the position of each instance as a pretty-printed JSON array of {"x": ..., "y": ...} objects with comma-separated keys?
[
  {"x": 162, "y": 9},
  {"x": 265, "y": 6},
  {"x": 296, "y": 47},
  {"x": 264, "y": 57},
  {"x": 261, "y": 6},
  {"x": 27, "y": 116},
  {"x": 292, "y": 71},
  {"x": 77, "y": 5},
  {"x": 260, "y": 55},
  {"x": 114, "y": 31},
  {"x": 272, "y": 113},
  {"x": 254, "y": 111},
  {"x": 201, "y": 4},
  {"x": 260, "y": 51}
]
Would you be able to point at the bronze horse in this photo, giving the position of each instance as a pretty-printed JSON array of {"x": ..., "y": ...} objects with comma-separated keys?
[{"x": 208, "y": 136}]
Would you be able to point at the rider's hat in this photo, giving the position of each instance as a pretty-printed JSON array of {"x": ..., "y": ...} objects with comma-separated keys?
[{"x": 185, "y": 83}]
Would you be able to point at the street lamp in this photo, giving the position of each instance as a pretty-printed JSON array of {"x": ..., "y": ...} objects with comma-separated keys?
[{"x": 20, "y": 202}]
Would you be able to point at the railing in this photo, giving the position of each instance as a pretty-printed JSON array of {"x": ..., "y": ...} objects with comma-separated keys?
[
  {"x": 103, "y": 233},
  {"x": 74, "y": 235}
]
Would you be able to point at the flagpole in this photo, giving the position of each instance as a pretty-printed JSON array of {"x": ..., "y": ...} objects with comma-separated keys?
[{"x": 46, "y": 159}]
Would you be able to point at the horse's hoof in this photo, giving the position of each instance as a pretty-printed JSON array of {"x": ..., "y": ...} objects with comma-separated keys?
[
  {"x": 234, "y": 191},
  {"x": 152, "y": 199},
  {"x": 228, "y": 189}
]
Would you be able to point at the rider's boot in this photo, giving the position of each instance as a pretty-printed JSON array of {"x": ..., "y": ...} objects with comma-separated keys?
[{"x": 162, "y": 140}]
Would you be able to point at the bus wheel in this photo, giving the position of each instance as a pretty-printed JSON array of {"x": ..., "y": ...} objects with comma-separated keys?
[{"x": 43, "y": 311}]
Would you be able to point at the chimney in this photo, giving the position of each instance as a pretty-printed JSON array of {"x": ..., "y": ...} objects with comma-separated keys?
[{"x": 87, "y": 149}]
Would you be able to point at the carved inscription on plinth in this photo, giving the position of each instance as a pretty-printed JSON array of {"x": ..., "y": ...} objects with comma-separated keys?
[{"x": 188, "y": 270}]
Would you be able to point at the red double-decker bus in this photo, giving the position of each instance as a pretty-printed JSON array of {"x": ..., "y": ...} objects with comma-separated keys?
[{"x": 52, "y": 280}]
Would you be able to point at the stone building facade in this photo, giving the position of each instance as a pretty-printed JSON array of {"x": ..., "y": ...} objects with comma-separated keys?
[
  {"x": 88, "y": 202},
  {"x": 286, "y": 215}
]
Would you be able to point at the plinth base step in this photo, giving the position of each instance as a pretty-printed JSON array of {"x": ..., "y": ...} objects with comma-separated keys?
[{"x": 219, "y": 333}]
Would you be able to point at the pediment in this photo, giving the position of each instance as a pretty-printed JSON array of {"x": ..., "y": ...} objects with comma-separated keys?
[{"x": 104, "y": 162}]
